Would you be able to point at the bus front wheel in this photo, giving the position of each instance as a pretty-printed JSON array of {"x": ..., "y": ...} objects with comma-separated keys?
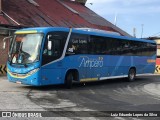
[
  {"x": 69, "y": 80},
  {"x": 131, "y": 75}
]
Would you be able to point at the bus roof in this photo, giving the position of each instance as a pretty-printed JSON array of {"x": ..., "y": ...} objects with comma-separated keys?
[{"x": 87, "y": 31}]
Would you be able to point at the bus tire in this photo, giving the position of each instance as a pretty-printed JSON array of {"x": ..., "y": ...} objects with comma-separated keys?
[
  {"x": 69, "y": 80},
  {"x": 131, "y": 74}
]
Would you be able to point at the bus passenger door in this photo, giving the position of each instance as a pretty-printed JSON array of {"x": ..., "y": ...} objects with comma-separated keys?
[{"x": 51, "y": 65}]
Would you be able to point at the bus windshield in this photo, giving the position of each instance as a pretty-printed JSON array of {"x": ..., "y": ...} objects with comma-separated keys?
[{"x": 25, "y": 48}]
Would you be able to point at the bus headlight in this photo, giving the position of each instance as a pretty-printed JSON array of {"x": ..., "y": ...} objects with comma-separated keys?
[{"x": 33, "y": 71}]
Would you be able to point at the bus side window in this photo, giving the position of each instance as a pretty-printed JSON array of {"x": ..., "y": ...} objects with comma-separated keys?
[
  {"x": 77, "y": 44},
  {"x": 96, "y": 45}
]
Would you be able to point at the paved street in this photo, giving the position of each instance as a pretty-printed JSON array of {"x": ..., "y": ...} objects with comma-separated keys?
[{"x": 110, "y": 95}]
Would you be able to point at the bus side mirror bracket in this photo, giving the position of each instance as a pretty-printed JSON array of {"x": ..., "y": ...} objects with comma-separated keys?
[{"x": 4, "y": 41}]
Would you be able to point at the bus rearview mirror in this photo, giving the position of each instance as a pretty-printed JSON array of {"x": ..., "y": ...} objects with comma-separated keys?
[
  {"x": 4, "y": 41},
  {"x": 49, "y": 45},
  {"x": 4, "y": 45}
]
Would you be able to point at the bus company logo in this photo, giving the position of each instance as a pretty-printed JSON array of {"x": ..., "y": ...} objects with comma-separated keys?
[
  {"x": 6, "y": 114},
  {"x": 90, "y": 62}
]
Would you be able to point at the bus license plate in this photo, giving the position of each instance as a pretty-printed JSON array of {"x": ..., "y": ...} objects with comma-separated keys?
[{"x": 18, "y": 82}]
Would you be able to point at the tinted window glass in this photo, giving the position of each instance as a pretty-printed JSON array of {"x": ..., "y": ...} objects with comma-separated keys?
[
  {"x": 113, "y": 46},
  {"x": 78, "y": 44},
  {"x": 82, "y": 44}
]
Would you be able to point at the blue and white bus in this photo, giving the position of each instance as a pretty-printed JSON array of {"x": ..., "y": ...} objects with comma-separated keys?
[{"x": 55, "y": 55}]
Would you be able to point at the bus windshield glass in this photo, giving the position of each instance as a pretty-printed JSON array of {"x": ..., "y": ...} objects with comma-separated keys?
[{"x": 25, "y": 48}]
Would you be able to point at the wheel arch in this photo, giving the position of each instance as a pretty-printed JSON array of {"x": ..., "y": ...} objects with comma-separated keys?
[
  {"x": 75, "y": 74},
  {"x": 133, "y": 67}
]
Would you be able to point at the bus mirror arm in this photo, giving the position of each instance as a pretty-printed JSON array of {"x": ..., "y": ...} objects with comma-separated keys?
[{"x": 4, "y": 41}]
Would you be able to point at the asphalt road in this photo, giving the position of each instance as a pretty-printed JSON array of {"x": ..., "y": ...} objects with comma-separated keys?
[{"x": 110, "y": 95}]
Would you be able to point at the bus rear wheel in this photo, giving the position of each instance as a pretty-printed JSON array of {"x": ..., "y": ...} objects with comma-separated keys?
[
  {"x": 69, "y": 80},
  {"x": 131, "y": 75}
]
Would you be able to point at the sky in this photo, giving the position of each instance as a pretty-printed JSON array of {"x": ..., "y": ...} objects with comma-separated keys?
[{"x": 143, "y": 15}]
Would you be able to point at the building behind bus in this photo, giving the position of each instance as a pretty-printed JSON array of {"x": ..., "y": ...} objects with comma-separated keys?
[{"x": 15, "y": 14}]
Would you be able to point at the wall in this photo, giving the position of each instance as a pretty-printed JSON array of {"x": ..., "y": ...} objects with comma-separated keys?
[
  {"x": 4, "y": 32},
  {"x": 3, "y": 56},
  {"x": 3, "y": 53}
]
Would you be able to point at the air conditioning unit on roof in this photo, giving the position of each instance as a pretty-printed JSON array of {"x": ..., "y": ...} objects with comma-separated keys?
[
  {"x": 99, "y": 31},
  {"x": 81, "y": 1}
]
